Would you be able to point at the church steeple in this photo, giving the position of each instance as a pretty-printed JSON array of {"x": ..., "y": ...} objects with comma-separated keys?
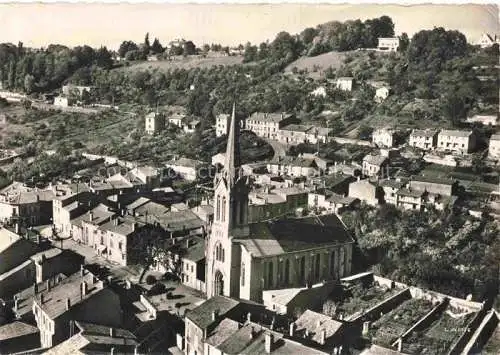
[{"x": 233, "y": 159}]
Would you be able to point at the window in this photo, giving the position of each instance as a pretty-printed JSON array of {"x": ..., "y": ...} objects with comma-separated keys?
[
  {"x": 224, "y": 209},
  {"x": 242, "y": 274},
  {"x": 317, "y": 262},
  {"x": 287, "y": 271},
  {"x": 270, "y": 274},
  {"x": 332, "y": 263},
  {"x": 218, "y": 209}
]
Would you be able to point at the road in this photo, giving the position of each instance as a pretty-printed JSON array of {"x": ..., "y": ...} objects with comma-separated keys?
[{"x": 279, "y": 148}]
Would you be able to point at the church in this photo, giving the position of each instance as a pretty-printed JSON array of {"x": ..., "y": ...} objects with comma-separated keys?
[{"x": 243, "y": 259}]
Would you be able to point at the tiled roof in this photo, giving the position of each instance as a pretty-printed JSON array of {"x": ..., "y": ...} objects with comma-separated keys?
[
  {"x": 137, "y": 203},
  {"x": 202, "y": 315},
  {"x": 410, "y": 193},
  {"x": 47, "y": 254},
  {"x": 196, "y": 251},
  {"x": 297, "y": 128},
  {"x": 177, "y": 221},
  {"x": 16, "y": 329},
  {"x": 96, "y": 339},
  {"x": 100, "y": 214},
  {"x": 267, "y": 117},
  {"x": 290, "y": 235},
  {"x": 395, "y": 184},
  {"x": 455, "y": 133},
  {"x": 54, "y": 303},
  {"x": 375, "y": 159},
  {"x": 314, "y": 323},
  {"x": 283, "y": 296},
  {"x": 121, "y": 226},
  {"x": 7, "y": 239},
  {"x": 432, "y": 180},
  {"x": 226, "y": 328},
  {"x": 424, "y": 133},
  {"x": 185, "y": 162}
]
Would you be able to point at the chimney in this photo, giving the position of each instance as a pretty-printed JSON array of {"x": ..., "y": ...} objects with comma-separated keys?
[
  {"x": 68, "y": 304},
  {"x": 17, "y": 228},
  {"x": 249, "y": 317},
  {"x": 322, "y": 337},
  {"x": 134, "y": 226},
  {"x": 268, "y": 342},
  {"x": 115, "y": 221},
  {"x": 366, "y": 328},
  {"x": 111, "y": 332},
  {"x": 112, "y": 351},
  {"x": 187, "y": 243},
  {"x": 48, "y": 285},
  {"x": 214, "y": 315},
  {"x": 91, "y": 216},
  {"x": 16, "y": 304},
  {"x": 252, "y": 333},
  {"x": 35, "y": 288},
  {"x": 84, "y": 289},
  {"x": 292, "y": 329},
  {"x": 82, "y": 270}
]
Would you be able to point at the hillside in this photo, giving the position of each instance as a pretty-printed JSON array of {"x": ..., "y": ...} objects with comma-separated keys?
[
  {"x": 315, "y": 65},
  {"x": 184, "y": 63}
]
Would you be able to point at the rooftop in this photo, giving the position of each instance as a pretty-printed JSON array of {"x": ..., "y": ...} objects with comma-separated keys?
[
  {"x": 186, "y": 162},
  {"x": 297, "y": 128},
  {"x": 455, "y": 133},
  {"x": 270, "y": 117},
  {"x": 7, "y": 239},
  {"x": 410, "y": 193},
  {"x": 55, "y": 299},
  {"x": 96, "y": 339},
  {"x": 202, "y": 315},
  {"x": 314, "y": 323},
  {"x": 97, "y": 215},
  {"x": 290, "y": 235},
  {"x": 375, "y": 159},
  {"x": 16, "y": 329},
  {"x": 424, "y": 132}
]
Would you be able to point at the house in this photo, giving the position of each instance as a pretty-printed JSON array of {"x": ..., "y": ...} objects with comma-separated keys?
[
  {"x": 85, "y": 227},
  {"x": 218, "y": 159},
  {"x": 31, "y": 206},
  {"x": 344, "y": 83},
  {"x": 410, "y": 199},
  {"x": 461, "y": 142},
  {"x": 435, "y": 186},
  {"x": 488, "y": 40},
  {"x": 296, "y": 134},
  {"x": 78, "y": 90},
  {"x": 70, "y": 201},
  {"x": 251, "y": 338},
  {"x": 381, "y": 94},
  {"x": 329, "y": 200},
  {"x": 190, "y": 126},
  {"x": 154, "y": 122},
  {"x": 365, "y": 191},
  {"x": 390, "y": 188},
  {"x": 270, "y": 203},
  {"x": 187, "y": 169},
  {"x": 202, "y": 321},
  {"x": 287, "y": 301},
  {"x": 321, "y": 330},
  {"x": 320, "y": 91},
  {"x": 91, "y": 338},
  {"x": 487, "y": 120},
  {"x": 221, "y": 124},
  {"x": 148, "y": 175},
  {"x": 18, "y": 337},
  {"x": 191, "y": 252},
  {"x": 267, "y": 125},
  {"x": 80, "y": 297},
  {"x": 374, "y": 165},
  {"x": 425, "y": 139},
  {"x": 384, "y": 137},
  {"x": 62, "y": 101},
  {"x": 177, "y": 119},
  {"x": 291, "y": 166},
  {"x": 390, "y": 44},
  {"x": 494, "y": 146}
]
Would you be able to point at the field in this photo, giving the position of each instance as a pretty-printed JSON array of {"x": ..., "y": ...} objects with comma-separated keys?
[
  {"x": 184, "y": 63},
  {"x": 321, "y": 62}
]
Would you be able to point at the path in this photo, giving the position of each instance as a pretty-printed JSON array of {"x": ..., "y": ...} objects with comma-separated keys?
[{"x": 279, "y": 148}]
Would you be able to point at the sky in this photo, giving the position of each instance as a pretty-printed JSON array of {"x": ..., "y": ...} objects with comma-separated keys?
[{"x": 37, "y": 24}]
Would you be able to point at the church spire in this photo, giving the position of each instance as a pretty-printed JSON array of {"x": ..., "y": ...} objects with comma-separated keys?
[{"x": 233, "y": 148}]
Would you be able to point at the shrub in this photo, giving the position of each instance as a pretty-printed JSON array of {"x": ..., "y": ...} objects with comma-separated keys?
[{"x": 150, "y": 280}]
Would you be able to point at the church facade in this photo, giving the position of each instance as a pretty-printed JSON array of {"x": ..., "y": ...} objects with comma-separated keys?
[{"x": 243, "y": 259}]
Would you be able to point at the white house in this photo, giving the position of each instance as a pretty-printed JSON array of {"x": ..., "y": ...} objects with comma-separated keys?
[
  {"x": 61, "y": 101},
  {"x": 494, "y": 147},
  {"x": 381, "y": 94},
  {"x": 320, "y": 91},
  {"x": 456, "y": 141},
  {"x": 487, "y": 120},
  {"x": 390, "y": 44},
  {"x": 423, "y": 139},
  {"x": 488, "y": 40},
  {"x": 345, "y": 83},
  {"x": 383, "y": 137}
]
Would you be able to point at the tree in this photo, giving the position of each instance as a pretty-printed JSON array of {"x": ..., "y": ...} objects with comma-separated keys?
[
  {"x": 147, "y": 45},
  {"x": 29, "y": 83},
  {"x": 250, "y": 53},
  {"x": 404, "y": 42},
  {"x": 453, "y": 108},
  {"x": 189, "y": 48},
  {"x": 156, "y": 47},
  {"x": 126, "y": 47}
]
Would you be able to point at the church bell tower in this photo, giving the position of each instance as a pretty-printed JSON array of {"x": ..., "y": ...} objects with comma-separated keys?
[{"x": 231, "y": 190}]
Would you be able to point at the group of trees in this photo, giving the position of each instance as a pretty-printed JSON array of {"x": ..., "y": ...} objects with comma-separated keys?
[
  {"x": 46, "y": 69},
  {"x": 132, "y": 51},
  {"x": 327, "y": 37},
  {"x": 447, "y": 251}
]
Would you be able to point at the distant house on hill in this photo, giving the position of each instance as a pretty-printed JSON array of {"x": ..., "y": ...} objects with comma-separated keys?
[
  {"x": 488, "y": 40},
  {"x": 390, "y": 44},
  {"x": 345, "y": 83}
]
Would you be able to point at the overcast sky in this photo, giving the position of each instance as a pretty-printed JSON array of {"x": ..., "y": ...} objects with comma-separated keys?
[{"x": 110, "y": 24}]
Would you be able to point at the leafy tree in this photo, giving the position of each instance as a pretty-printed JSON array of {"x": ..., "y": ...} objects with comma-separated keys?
[
  {"x": 126, "y": 47},
  {"x": 156, "y": 47},
  {"x": 189, "y": 48},
  {"x": 250, "y": 53},
  {"x": 29, "y": 83},
  {"x": 146, "y": 45},
  {"x": 404, "y": 42}
]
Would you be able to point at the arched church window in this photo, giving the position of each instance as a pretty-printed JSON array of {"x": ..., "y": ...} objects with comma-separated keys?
[
  {"x": 217, "y": 215},
  {"x": 223, "y": 209},
  {"x": 217, "y": 249},
  {"x": 332, "y": 263},
  {"x": 222, "y": 255},
  {"x": 287, "y": 271},
  {"x": 302, "y": 268},
  {"x": 317, "y": 263},
  {"x": 242, "y": 274},
  {"x": 270, "y": 274}
]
